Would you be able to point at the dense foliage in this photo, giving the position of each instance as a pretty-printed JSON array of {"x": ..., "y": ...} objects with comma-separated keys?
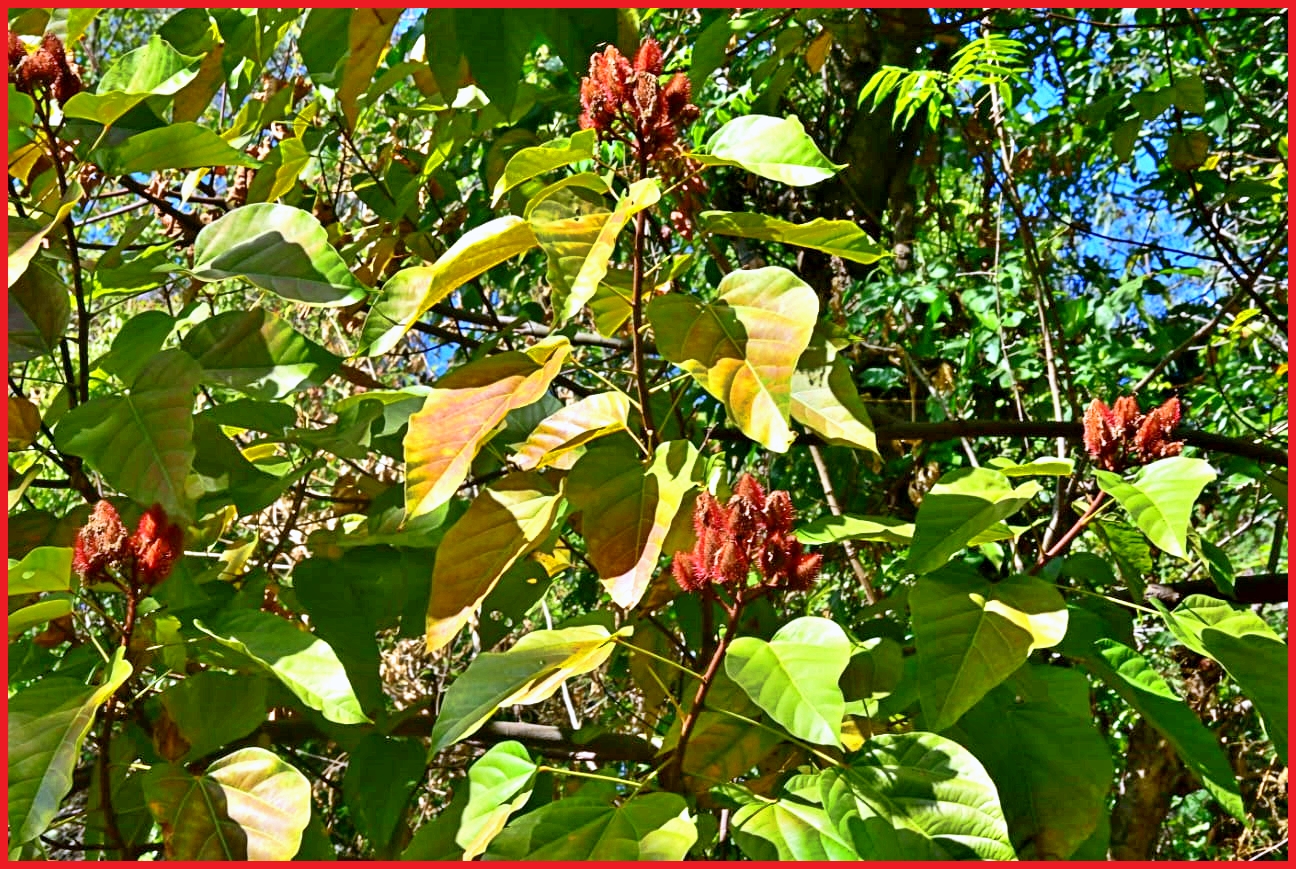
[{"x": 657, "y": 434}]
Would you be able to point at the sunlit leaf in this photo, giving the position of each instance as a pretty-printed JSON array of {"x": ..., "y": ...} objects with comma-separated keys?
[
  {"x": 531, "y": 162},
  {"x": 825, "y": 400},
  {"x": 175, "y": 146},
  {"x": 554, "y": 439},
  {"x": 961, "y": 505},
  {"x": 642, "y": 194},
  {"x": 773, "y": 148},
  {"x": 499, "y": 784},
  {"x": 257, "y": 353},
  {"x": 1160, "y": 498},
  {"x": 34, "y": 615},
  {"x": 154, "y": 69},
  {"x": 841, "y": 238},
  {"x": 651, "y": 826},
  {"x": 45, "y": 568},
  {"x": 831, "y": 529},
  {"x": 368, "y": 35}
]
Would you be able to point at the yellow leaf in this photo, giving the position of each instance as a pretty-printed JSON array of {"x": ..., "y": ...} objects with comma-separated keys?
[
  {"x": 368, "y": 37},
  {"x": 817, "y": 51},
  {"x": 554, "y": 439}
]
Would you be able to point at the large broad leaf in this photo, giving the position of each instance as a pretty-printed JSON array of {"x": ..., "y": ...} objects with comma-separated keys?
[
  {"x": 654, "y": 826},
  {"x": 499, "y": 784},
  {"x": 155, "y": 69},
  {"x": 1053, "y": 800},
  {"x": 971, "y": 634},
  {"x": 568, "y": 220},
  {"x": 629, "y": 509},
  {"x": 39, "y": 613},
  {"x": 304, "y": 663},
  {"x": 278, "y": 248},
  {"x": 554, "y": 154},
  {"x": 26, "y": 243},
  {"x": 368, "y": 35},
  {"x": 45, "y": 568},
  {"x": 831, "y": 529},
  {"x": 142, "y": 442},
  {"x": 411, "y": 292},
  {"x": 1160, "y": 498},
  {"x": 529, "y": 672},
  {"x": 258, "y": 353},
  {"x": 1246, "y": 647},
  {"x": 249, "y": 805},
  {"x": 841, "y": 238},
  {"x": 463, "y": 409},
  {"x": 794, "y": 677},
  {"x": 963, "y": 504},
  {"x": 175, "y": 146},
  {"x": 916, "y": 796},
  {"x": 188, "y": 705},
  {"x": 773, "y": 148},
  {"x": 47, "y": 724},
  {"x": 743, "y": 348},
  {"x": 642, "y": 194},
  {"x": 1130, "y": 675},
  {"x": 785, "y": 829},
  {"x": 382, "y": 774},
  {"x": 507, "y": 520},
  {"x": 825, "y": 400},
  {"x": 39, "y": 310},
  {"x": 553, "y": 441}
]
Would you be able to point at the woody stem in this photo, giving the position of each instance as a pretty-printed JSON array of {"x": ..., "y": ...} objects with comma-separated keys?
[
  {"x": 1061, "y": 546},
  {"x": 636, "y": 316},
  {"x": 111, "y": 828}
]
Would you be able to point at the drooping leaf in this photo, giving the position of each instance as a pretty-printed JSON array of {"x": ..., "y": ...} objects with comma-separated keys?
[
  {"x": 278, "y": 248},
  {"x": 773, "y": 148},
  {"x": 971, "y": 634},
  {"x": 1160, "y": 498},
  {"x": 48, "y": 721},
  {"x": 304, "y": 663},
  {"x": 825, "y": 400},
  {"x": 630, "y": 508},
  {"x": 142, "y": 442},
  {"x": 39, "y": 613},
  {"x": 507, "y": 520},
  {"x": 382, "y": 774},
  {"x": 258, "y": 353},
  {"x": 831, "y": 529},
  {"x": 841, "y": 238},
  {"x": 531, "y": 162},
  {"x": 176, "y": 146},
  {"x": 411, "y": 292},
  {"x": 961, "y": 505},
  {"x": 743, "y": 348},
  {"x": 23, "y": 246},
  {"x": 529, "y": 672},
  {"x": 1053, "y": 800},
  {"x": 554, "y": 439},
  {"x": 368, "y": 35},
  {"x": 794, "y": 677},
  {"x": 567, "y": 221},
  {"x": 642, "y": 194},
  {"x": 462, "y": 410},
  {"x": 190, "y": 702},
  {"x": 45, "y": 568},
  {"x": 249, "y": 805},
  {"x": 39, "y": 310},
  {"x": 499, "y": 784},
  {"x": 653, "y": 826}
]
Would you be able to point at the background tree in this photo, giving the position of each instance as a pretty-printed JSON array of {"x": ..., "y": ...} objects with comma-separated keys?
[{"x": 793, "y": 434}]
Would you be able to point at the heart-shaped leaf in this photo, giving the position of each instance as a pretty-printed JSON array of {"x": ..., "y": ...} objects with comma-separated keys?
[
  {"x": 743, "y": 348},
  {"x": 463, "y": 409},
  {"x": 972, "y": 633},
  {"x": 630, "y": 509},
  {"x": 156, "y": 69},
  {"x": 554, "y": 439},
  {"x": 499, "y": 784},
  {"x": 1160, "y": 498},
  {"x": 175, "y": 146},
  {"x": 794, "y": 677},
  {"x": 841, "y": 238},
  {"x": 961, "y": 505},
  {"x": 258, "y": 353},
  {"x": 721, "y": 746},
  {"x": 188, "y": 704},
  {"x": 654, "y": 826},
  {"x": 505, "y": 521},
  {"x": 567, "y": 221}
]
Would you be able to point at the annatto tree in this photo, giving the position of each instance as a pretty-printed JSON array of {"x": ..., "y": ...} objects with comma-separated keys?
[{"x": 660, "y": 434}]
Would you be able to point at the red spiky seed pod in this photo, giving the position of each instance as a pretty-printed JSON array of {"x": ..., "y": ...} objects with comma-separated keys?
[
  {"x": 1101, "y": 441},
  {"x": 1125, "y": 417},
  {"x": 779, "y": 512},
  {"x": 805, "y": 572},
  {"x": 38, "y": 70},
  {"x": 17, "y": 54},
  {"x": 157, "y": 543},
  {"x": 649, "y": 57},
  {"x": 100, "y": 543},
  {"x": 749, "y": 489},
  {"x": 1152, "y": 441}
]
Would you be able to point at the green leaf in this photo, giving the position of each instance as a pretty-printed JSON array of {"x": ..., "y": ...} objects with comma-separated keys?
[
  {"x": 304, "y": 663},
  {"x": 743, "y": 348},
  {"x": 508, "y": 519},
  {"x": 139, "y": 340},
  {"x": 654, "y": 826},
  {"x": 39, "y": 310},
  {"x": 249, "y": 805},
  {"x": 463, "y": 410},
  {"x": 190, "y": 702},
  {"x": 962, "y": 505},
  {"x": 832, "y": 529},
  {"x": 411, "y": 292},
  {"x": 368, "y": 37},
  {"x": 1160, "y": 498},
  {"x": 278, "y": 248},
  {"x": 1052, "y": 800},
  {"x": 45, "y": 568},
  {"x": 175, "y": 146},
  {"x": 1048, "y": 466},
  {"x": 499, "y": 784},
  {"x": 23, "y": 246},
  {"x": 155, "y": 69},
  {"x": 258, "y": 353},
  {"x": 34, "y": 615},
  {"x": 971, "y": 634},
  {"x": 825, "y": 400},
  {"x": 529, "y": 672},
  {"x": 629, "y": 508},
  {"x": 1130, "y": 675},
  {"x": 1187, "y": 151},
  {"x": 553, "y": 441},
  {"x": 567, "y": 220},
  {"x": 435, "y": 839},
  {"x": 788, "y": 830},
  {"x": 773, "y": 148},
  {"x": 531, "y": 162},
  {"x": 142, "y": 442},
  {"x": 794, "y": 677},
  {"x": 48, "y": 721},
  {"x": 842, "y": 238},
  {"x": 382, "y": 774},
  {"x": 642, "y": 194}
]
